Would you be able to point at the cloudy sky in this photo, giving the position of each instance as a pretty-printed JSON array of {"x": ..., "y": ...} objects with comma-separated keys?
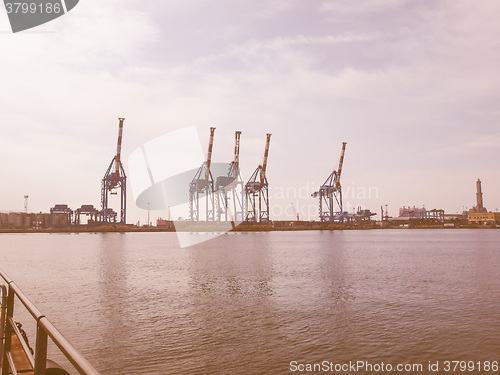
[{"x": 413, "y": 87}]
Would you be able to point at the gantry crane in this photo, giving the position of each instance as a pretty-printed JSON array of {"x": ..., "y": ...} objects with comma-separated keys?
[
  {"x": 231, "y": 187},
  {"x": 256, "y": 191},
  {"x": 113, "y": 180},
  {"x": 203, "y": 183},
  {"x": 330, "y": 194}
]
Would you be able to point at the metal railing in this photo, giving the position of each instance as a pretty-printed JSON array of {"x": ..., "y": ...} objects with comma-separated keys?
[{"x": 44, "y": 329}]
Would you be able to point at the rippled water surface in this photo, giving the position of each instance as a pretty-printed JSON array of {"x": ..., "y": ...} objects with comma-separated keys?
[{"x": 250, "y": 303}]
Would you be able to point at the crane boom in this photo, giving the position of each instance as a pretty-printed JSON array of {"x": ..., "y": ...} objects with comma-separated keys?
[
  {"x": 264, "y": 164},
  {"x": 119, "y": 149},
  {"x": 237, "y": 150},
  {"x": 341, "y": 162},
  {"x": 209, "y": 154}
]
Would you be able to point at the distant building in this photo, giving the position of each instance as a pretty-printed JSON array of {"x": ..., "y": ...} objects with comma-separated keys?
[
  {"x": 421, "y": 213},
  {"x": 479, "y": 214},
  {"x": 166, "y": 224},
  {"x": 419, "y": 217},
  {"x": 412, "y": 212},
  {"x": 479, "y": 207},
  {"x": 60, "y": 216},
  {"x": 23, "y": 220},
  {"x": 484, "y": 218}
]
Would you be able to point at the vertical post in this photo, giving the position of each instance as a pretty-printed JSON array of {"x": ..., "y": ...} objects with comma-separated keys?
[
  {"x": 260, "y": 205},
  {"x": 244, "y": 203},
  {"x": 3, "y": 290},
  {"x": 123, "y": 216},
  {"x": 104, "y": 199},
  {"x": 8, "y": 330},
  {"x": 265, "y": 214},
  {"x": 341, "y": 207},
  {"x": 207, "y": 212},
  {"x": 330, "y": 203},
  {"x": 40, "y": 350}
]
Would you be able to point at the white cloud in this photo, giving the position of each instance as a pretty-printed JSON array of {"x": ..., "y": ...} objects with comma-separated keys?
[
  {"x": 253, "y": 47},
  {"x": 359, "y": 7}
]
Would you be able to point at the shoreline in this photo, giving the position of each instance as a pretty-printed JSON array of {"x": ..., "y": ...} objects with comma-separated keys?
[{"x": 245, "y": 228}]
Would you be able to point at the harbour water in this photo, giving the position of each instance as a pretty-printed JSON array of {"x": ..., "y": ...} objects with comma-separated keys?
[{"x": 252, "y": 303}]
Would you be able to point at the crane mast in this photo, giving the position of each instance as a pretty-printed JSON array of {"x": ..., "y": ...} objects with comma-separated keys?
[
  {"x": 264, "y": 163},
  {"x": 209, "y": 154},
  {"x": 236, "y": 162},
  {"x": 119, "y": 150},
  {"x": 339, "y": 169}
]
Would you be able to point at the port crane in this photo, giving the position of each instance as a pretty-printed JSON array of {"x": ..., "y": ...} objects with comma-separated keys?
[
  {"x": 230, "y": 187},
  {"x": 203, "y": 184},
  {"x": 257, "y": 192},
  {"x": 115, "y": 179},
  {"x": 330, "y": 194}
]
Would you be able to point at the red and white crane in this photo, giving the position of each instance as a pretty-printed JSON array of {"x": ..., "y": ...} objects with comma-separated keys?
[
  {"x": 330, "y": 194},
  {"x": 256, "y": 190},
  {"x": 229, "y": 202},
  {"x": 114, "y": 179},
  {"x": 203, "y": 184}
]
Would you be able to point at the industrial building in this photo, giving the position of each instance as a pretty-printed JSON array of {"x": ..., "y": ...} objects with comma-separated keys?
[
  {"x": 23, "y": 220},
  {"x": 60, "y": 216},
  {"x": 484, "y": 218},
  {"x": 421, "y": 213},
  {"x": 479, "y": 214},
  {"x": 415, "y": 217},
  {"x": 420, "y": 216}
]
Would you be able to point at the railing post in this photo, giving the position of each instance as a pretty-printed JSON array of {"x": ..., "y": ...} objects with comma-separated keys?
[
  {"x": 8, "y": 330},
  {"x": 3, "y": 290},
  {"x": 40, "y": 350}
]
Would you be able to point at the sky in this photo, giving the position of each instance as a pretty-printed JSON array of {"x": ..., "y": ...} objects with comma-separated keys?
[{"x": 413, "y": 87}]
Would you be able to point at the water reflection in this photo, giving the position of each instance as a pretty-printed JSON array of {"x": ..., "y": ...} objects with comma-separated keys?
[
  {"x": 112, "y": 286},
  {"x": 224, "y": 268},
  {"x": 230, "y": 291},
  {"x": 252, "y": 302}
]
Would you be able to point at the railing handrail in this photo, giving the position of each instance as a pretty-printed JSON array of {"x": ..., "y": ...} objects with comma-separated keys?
[{"x": 43, "y": 324}]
